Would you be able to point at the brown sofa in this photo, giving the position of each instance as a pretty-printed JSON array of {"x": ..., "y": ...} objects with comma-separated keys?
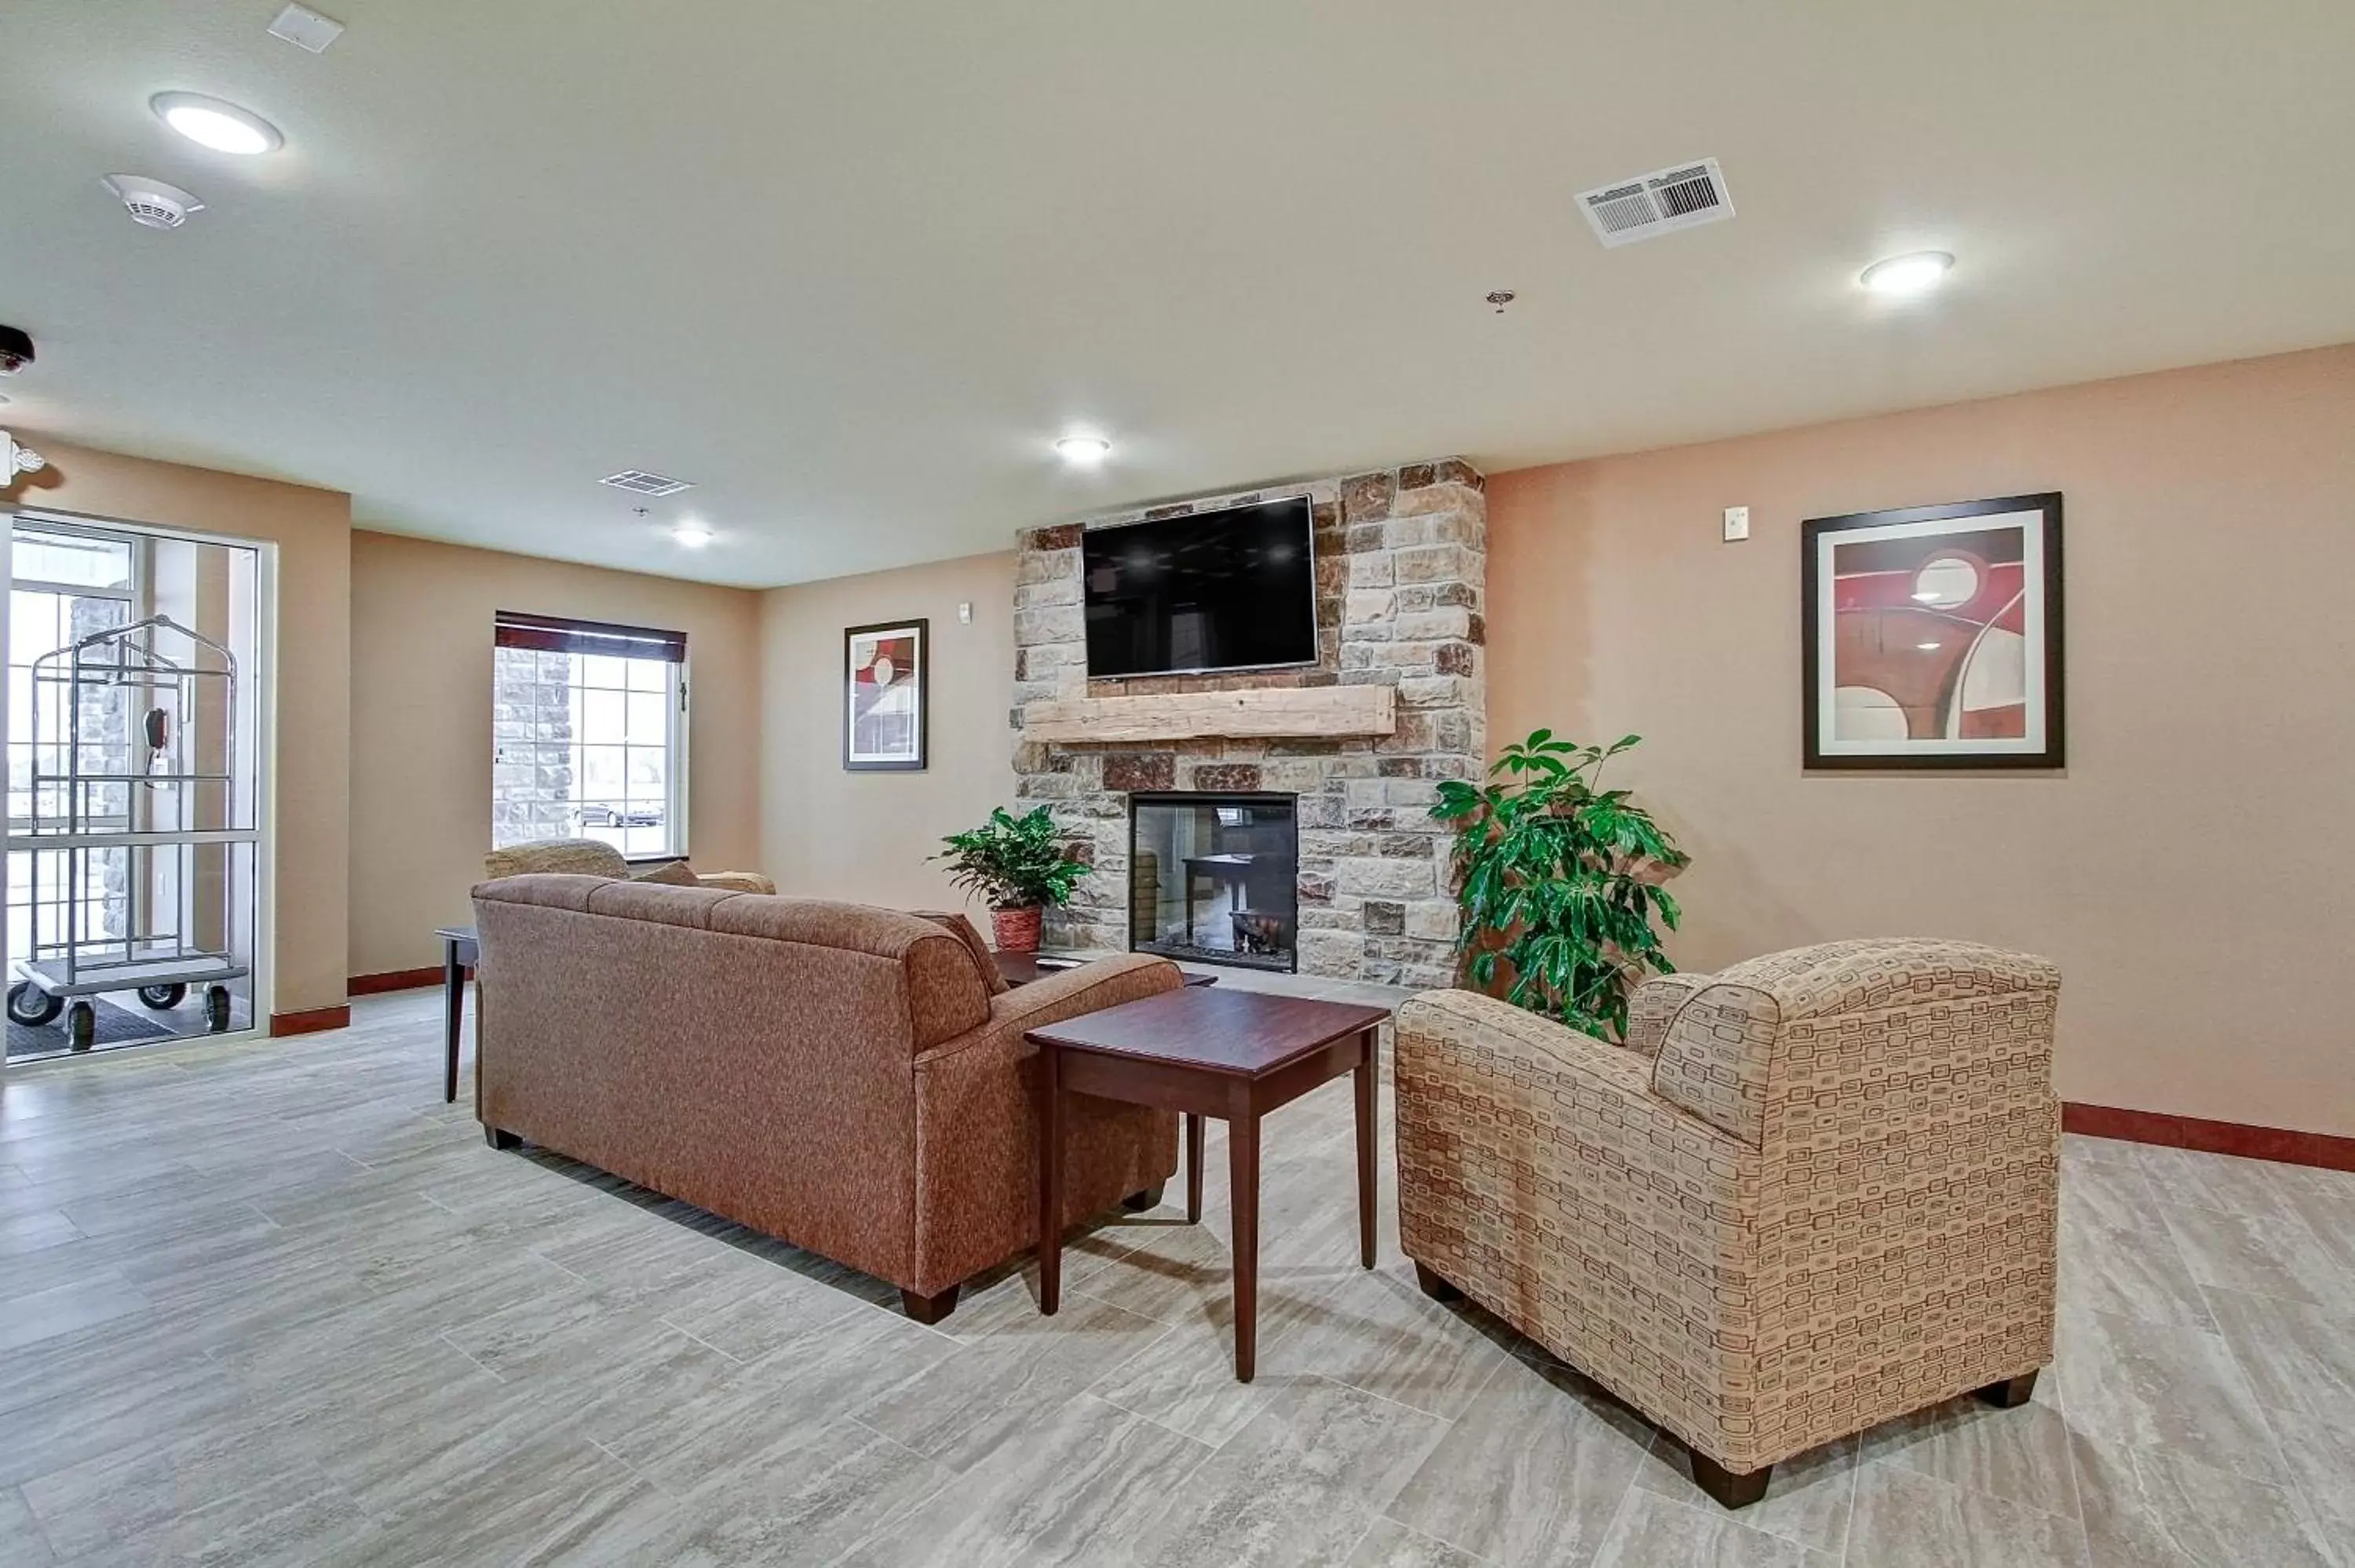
[{"x": 835, "y": 1076}]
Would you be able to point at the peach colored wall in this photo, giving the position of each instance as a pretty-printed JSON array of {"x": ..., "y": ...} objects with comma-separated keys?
[
  {"x": 421, "y": 730},
  {"x": 2192, "y": 871},
  {"x": 311, "y": 529},
  {"x": 828, "y": 833}
]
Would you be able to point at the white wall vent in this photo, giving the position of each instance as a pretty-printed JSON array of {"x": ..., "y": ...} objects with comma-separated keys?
[
  {"x": 1684, "y": 195},
  {"x": 644, "y": 483}
]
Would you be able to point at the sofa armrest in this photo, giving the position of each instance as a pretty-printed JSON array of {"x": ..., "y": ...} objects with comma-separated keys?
[
  {"x": 977, "y": 1126},
  {"x": 1088, "y": 987}
]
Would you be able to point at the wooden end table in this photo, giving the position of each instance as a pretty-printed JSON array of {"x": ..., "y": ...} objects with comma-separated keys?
[
  {"x": 1207, "y": 1051},
  {"x": 459, "y": 952}
]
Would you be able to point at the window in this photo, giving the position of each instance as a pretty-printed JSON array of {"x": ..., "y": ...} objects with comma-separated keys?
[
  {"x": 66, "y": 583},
  {"x": 589, "y": 737}
]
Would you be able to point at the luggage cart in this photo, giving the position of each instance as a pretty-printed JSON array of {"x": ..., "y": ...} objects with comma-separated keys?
[{"x": 135, "y": 795}]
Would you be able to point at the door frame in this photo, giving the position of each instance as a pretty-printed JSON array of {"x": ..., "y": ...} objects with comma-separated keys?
[{"x": 264, "y": 714}]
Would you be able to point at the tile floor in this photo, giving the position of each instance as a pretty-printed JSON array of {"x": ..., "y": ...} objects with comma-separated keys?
[{"x": 276, "y": 1304}]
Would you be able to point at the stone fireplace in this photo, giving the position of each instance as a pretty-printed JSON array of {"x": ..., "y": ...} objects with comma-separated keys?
[{"x": 1401, "y": 579}]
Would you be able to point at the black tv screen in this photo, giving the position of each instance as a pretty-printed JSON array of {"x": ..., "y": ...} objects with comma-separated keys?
[{"x": 1213, "y": 590}]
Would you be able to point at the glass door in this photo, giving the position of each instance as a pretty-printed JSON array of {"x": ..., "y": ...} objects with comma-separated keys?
[{"x": 134, "y": 836}]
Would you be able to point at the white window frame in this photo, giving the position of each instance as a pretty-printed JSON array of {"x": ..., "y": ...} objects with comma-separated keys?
[{"x": 676, "y": 747}]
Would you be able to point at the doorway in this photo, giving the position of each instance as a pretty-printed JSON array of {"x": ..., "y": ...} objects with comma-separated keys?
[{"x": 136, "y": 704}]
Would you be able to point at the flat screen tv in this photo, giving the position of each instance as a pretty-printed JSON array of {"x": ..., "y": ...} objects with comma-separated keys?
[{"x": 1231, "y": 589}]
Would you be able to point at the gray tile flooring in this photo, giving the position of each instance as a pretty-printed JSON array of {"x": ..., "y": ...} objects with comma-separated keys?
[{"x": 276, "y": 1304}]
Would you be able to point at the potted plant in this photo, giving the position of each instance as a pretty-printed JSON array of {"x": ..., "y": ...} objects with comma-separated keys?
[
  {"x": 1559, "y": 880},
  {"x": 1017, "y": 863}
]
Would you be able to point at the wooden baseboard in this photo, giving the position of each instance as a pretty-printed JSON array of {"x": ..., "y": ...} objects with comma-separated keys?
[
  {"x": 2279, "y": 1144},
  {"x": 309, "y": 1022},
  {"x": 392, "y": 979}
]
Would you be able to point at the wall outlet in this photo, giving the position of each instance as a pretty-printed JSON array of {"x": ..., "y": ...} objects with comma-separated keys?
[
  {"x": 1737, "y": 524},
  {"x": 964, "y": 613}
]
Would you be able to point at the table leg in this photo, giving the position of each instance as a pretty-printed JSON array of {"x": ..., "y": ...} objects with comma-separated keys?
[
  {"x": 1193, "y": 1169},
  {"x": 1367, "y": 1073},
  {"x": 1051, "y": 1183},
  {"x": 454, "y": 1008},
  {"x": 1243, "y": 1165}
]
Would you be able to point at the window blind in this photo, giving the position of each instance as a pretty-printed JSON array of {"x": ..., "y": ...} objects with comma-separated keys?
[{"x": 556, "y": 634}]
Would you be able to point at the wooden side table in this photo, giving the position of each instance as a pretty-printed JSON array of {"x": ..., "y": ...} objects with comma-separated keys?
[
  {"x": 459, "y": 954},
  {"x": 1207, "y": 1051}
]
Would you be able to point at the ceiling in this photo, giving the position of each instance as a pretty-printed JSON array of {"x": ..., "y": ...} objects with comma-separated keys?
[{"x": 853, "y": 267}]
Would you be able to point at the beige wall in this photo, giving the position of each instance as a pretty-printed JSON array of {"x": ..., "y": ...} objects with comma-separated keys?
[
  {"x": 421, "y": 723},
  {"x": 311, "y": 529},
  {"x": 828, "y": 833},
  {"x": 2192, "y": 871}
]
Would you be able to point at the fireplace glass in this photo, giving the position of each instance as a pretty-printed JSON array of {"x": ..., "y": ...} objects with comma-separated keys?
[{"x": 1214, "y": 878}]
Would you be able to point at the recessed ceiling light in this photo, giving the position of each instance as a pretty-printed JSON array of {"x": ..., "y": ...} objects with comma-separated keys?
[
  {"x": 693, "y": 536},
  {"x": 1912, "y": 274},
  {"x": 1083, "y": 451},
  {"x": 209, "y": 122}
]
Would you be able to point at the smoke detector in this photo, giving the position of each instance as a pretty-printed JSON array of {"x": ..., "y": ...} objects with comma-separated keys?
[
  {"x": 152, "y": 204},
  {"x": 1663, "y": 202}
]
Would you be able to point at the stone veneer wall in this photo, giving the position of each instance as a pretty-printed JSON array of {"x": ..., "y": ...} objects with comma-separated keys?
[{"x": 1401, "y": 577}]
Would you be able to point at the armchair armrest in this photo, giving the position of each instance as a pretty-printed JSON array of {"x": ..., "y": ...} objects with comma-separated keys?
[
  {"x": 1654, "y": 1005},
  {"x": 1517, "y": 1046},
  {"x": 736, "y": 881}
]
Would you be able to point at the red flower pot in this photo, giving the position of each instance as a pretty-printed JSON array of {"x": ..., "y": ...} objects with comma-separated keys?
[{"x": 1017, "y": 930}]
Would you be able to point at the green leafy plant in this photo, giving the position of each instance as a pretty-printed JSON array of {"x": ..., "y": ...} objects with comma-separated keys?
[
  {"x": 1013, "y": 862},
  {"x": 1559, "y": 882}
]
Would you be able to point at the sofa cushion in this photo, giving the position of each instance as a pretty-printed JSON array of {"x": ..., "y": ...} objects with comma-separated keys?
[{"x": 670, "y": 874}]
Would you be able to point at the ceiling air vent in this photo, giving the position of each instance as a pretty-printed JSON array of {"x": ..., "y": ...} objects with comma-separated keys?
[
  {"x": 1684, "y": 196},
  {"x": 644, "y": 483}
]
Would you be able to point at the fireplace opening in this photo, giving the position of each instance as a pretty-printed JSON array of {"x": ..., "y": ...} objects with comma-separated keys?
[{"x": 1214, "y": 879}]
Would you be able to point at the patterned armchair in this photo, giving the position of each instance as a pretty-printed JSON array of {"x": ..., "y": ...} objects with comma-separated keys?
[
  {"x": 1808, "y": 1194},
  {"x": 591, "y": 857}
]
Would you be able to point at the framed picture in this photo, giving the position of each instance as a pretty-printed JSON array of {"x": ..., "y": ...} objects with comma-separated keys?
[
  {"x": 1933, "y": 636},
  {"x": 885, "y": 673}
]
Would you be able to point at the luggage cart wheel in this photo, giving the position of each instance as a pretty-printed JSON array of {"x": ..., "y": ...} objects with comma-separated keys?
[
  {"x": 81, "y": 1025},
  {"x": 160, "y": 997},
  {"x": 29, "y": 1003},
  {"x": 217, "y": 1009}
]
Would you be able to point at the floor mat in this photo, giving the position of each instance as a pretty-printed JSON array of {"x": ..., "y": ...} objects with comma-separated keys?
[{"x": 116, "y": 1026}]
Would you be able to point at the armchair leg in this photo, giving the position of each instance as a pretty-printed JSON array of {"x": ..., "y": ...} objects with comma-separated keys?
[
  {"x": 1725, "y": 1489},
  {"x": 1140, "y": 1201},
  {"x": 499, "y": 1137},
  {"x": 2011, "y": 1391},
  {"x": 929, "y": 1309},
  {"x": 1430, "y": 1284}
]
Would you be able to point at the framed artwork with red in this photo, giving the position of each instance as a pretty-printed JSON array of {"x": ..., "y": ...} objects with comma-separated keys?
[
  {"x": 885, "y": 673},
  {"x": 1933, "y": 636}
]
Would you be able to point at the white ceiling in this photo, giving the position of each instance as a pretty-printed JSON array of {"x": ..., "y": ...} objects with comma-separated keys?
[{"x": 853, "y": 266}]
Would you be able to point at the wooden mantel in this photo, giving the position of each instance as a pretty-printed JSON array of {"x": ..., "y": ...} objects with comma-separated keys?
[{"x": 1252, "y": 714}]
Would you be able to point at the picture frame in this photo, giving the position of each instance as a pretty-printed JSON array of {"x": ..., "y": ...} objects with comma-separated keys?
[
  {"x": 886, "y": 690},
  {"x": 1931, "y": 637}
]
